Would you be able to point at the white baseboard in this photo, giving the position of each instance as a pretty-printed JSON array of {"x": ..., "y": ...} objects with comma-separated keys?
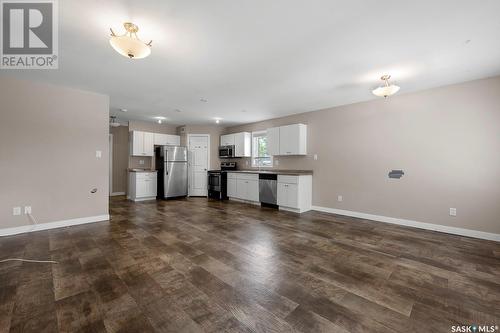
[
  {"x": 411, "y": 223},
  {"x": 52, "y": 225},
  {"x": 114, "y": 194}
]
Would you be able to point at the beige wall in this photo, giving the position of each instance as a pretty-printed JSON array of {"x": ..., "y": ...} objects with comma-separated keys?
[
  {"x": 48, "y": 141},
  {"x": 120, "y": 158},
  {"x": 135, "y": 125},
  {"x": 214, "y": 131},
  {"x": 447, "y": 141}
]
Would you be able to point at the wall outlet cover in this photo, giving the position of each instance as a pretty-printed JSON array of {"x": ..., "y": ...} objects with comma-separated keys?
[
  {"x": 315, "y": 157},
  {"x": 27, "y": 209},
  {"x": 276, "y": 162},
  {"x": 98, "y": 153},
  {"x": 141, "y": 162},
  {"x": 16, "y": 211},
  {"x": 340, "y": 198},
  {"x": 453, "y": 212}
]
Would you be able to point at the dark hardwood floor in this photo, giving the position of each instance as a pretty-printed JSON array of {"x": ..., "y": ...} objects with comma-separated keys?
[{"x": 203, "y": 266}]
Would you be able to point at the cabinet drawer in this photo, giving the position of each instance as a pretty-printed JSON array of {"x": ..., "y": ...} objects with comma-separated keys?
[
  {"x": 288, "y": 179},
  {"x": 248, "y": 176}
]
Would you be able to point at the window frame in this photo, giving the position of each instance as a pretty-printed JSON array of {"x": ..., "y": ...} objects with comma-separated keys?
[{"x": 254, "y": 158}]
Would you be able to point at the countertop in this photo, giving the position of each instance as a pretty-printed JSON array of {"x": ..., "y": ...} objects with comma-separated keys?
[
  {"x": 275, "y": 172},
  {"x": 140, "y": 170}
]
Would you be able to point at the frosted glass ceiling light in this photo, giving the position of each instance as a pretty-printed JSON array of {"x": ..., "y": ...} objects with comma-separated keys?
[
  {"x": 387, "y": 89},
  {"x": 128, "y": 44}
]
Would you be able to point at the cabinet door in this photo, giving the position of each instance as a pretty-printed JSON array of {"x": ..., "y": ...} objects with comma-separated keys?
[
  {"x": 292, "y": 195},
  {"x": 173, "y": 140},
  {"x": 152, "y": 185},
  {"x": 160, "y": 139},
  {"x": 227, "y": 140},
  {"x": 241, "y": 189},
  {"x": 242, "y": 144},
  {"x": 148, "y": 144},
  {"x": 137, "y": 143},
  {"x": 293, "y": 139},
  {"x": 253, "y": 190},
  {"x": 273, "y": 141},
  {"x": 282, "y": 195},
  {"x": 142, "y": 188},
  {"x": 288, "y": 140},
  {"x": 231, "y": 188}
]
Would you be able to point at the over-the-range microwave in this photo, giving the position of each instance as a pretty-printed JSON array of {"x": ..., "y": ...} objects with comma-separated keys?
[{"x": 226, "y": 151}]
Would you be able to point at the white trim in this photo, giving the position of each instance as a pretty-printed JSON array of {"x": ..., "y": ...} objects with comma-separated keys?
[
  {"x": 189, "y": 135},
  {"x": 142, "y": 199},
  {"x": 114, "y": 194},
  {"x": 411, "y": 223},
  {"x": 53, "y": 225}
]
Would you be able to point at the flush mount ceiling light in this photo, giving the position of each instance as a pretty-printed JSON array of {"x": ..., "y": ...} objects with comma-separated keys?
[
  {"x": 217, "y": 120},
  {"x": 160, "y": 119},
  {"x": 387, "y": 89},
  {"x": 128, "y": 44},
  {"x": 113, "y": 122}
]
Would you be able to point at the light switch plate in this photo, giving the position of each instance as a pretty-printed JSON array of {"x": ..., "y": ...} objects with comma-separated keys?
[
  {"x": 27, "y": 210},
  {"x": 98, "y": 154},
  {"x": 141, "y": 162},
  {"x": 315, "y": 157},
  {"x": 340, "y": 198},
  {"x": 16, "y": 211}
]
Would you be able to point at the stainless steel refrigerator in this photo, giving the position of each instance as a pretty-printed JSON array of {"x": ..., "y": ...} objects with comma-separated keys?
[{"x": 171, "y": 163}]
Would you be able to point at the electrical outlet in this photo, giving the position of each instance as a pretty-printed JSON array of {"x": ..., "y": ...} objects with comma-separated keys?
[
  {"x": 276, "y": 162},
  {"x": 340, "y": 198},
  {"x": 246, "y": 163},
  {"x": 315, "y": 157},
  {"x": 98, "y": 154},
  {"x": 453, "y": 212},
  {"x": 16, "y": 211},
  {"x": 141, "y": 162},
  {"x": 27, "y": 210}
]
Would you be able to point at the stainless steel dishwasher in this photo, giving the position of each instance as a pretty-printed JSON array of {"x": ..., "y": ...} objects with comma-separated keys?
[{"x": 268, "y": 184}]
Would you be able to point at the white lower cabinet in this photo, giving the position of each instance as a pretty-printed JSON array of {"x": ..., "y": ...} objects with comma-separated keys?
[
  {"x": 294, "y": 193},
  {"x": 243, "y": 186},
  {"x": 231, "y": 187},
  {"x": 142, "y": 186}
]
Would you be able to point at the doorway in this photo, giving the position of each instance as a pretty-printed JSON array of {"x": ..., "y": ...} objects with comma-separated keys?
[
  {"x": 198, "y": 162},
  {"x": 110, "y": 164}
]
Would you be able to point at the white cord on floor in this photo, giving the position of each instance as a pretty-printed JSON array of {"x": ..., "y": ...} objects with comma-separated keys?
[
  {"x": 34, "y": 222},
  {"x": 29, "y": 260}
]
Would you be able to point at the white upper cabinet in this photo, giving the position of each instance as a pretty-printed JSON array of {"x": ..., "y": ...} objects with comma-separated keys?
[
  {"x": 242, "y": 144},
  {"x": 141, "y": 143},
  {"x": 273, "y": 141},
  {"x": 287, "y": 140},
  {"x": 149, "y": 144},
  {"x": 227, "y": 140},
  {"x": 166, "y": 140}
]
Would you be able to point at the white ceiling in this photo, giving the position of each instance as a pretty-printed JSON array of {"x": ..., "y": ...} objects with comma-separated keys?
[{"x": 269, "y": 57}]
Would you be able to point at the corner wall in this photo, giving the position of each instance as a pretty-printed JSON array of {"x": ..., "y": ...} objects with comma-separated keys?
[{"x": 49, "y": 136}]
